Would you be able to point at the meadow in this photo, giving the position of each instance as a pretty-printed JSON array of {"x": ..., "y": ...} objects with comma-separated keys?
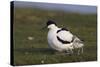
[{"x": 28, "y": 22}]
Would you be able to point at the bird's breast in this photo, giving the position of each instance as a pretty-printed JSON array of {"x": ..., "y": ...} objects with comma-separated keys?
[
  {"x": 52, "y": 41},
  {"x": 51, "y": 34}
]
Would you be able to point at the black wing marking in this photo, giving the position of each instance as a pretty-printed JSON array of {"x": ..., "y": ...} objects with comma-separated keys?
[
  {"x": 62, "y": 29},
  {"x": 62, "y": 41},
  {"x": 65, "y": 42}
]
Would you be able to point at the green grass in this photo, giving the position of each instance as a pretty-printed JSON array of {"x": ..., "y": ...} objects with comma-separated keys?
[{"x": 29, "y": 22}]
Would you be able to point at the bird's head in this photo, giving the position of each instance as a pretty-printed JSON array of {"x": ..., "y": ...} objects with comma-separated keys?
[{"x": 51, "y": 24}]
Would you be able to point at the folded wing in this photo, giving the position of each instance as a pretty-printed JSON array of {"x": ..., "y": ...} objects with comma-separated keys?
[{"x": 64, "y": 36}]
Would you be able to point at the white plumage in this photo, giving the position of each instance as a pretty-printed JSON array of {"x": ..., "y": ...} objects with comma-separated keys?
[{"x": 61, "y": 39}]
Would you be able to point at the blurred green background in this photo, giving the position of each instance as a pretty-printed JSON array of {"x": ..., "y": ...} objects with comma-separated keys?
[{"x": 30, "y": 40}]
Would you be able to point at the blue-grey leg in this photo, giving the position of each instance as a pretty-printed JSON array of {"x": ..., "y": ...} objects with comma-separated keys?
[
  {"x": 82, "y": 50},
  {"x": 71, "y": 51},
  {"x": 78, "y": 51}
]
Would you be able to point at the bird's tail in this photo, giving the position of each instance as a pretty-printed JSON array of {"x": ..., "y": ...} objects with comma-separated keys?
[{"x": 76, "y": 39}]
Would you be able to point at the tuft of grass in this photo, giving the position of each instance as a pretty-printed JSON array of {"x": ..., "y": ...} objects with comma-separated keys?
[{"x": 29, "y": 22}]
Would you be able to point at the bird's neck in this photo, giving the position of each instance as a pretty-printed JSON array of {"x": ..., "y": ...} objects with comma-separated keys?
[{"x": 52, "y": 27}]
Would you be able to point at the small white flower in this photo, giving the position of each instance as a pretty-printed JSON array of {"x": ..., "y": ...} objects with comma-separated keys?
[
  {"x": 30, "y": 38},
  {"x": 42, "y": 61}
]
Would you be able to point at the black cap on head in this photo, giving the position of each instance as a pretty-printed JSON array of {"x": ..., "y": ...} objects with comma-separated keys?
[{"x": 51, "y": 22}]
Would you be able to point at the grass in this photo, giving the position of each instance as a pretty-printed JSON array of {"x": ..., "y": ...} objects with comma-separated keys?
[{"x": 29, "y": 22}]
